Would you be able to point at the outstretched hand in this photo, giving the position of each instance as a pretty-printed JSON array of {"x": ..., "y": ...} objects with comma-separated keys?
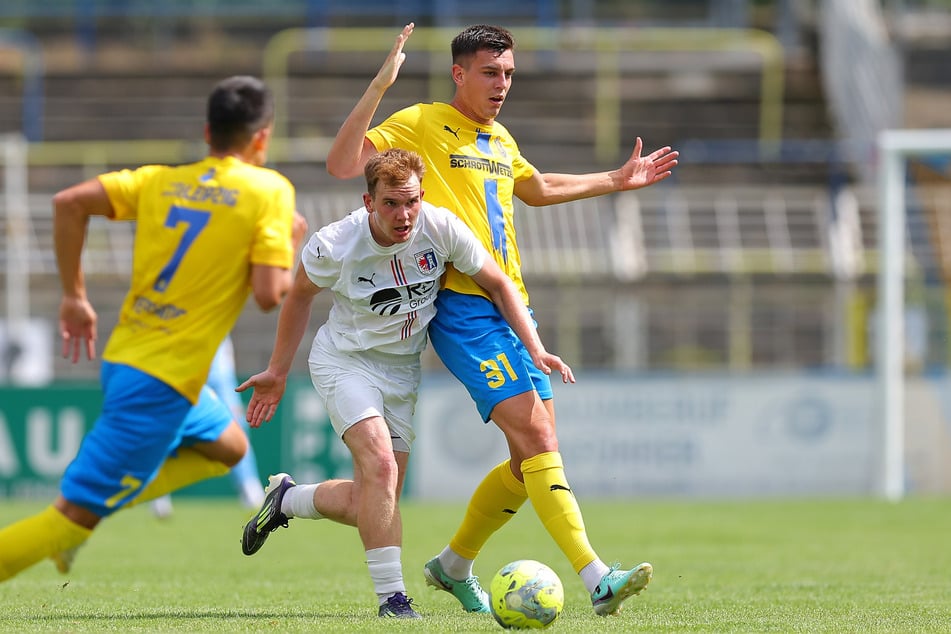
[
  {"x": 77, "y": 327},
  {"x": 391, "y": 67},
  {"x": 641, "y": 171},
  {"x": 548, "y": 363},
  {"x": 268, "y": 390}
]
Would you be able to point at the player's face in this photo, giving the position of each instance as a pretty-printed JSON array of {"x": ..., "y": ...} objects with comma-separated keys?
[
  {"x": 393, "y": 211},
  {"x": 482, "y": 84}
]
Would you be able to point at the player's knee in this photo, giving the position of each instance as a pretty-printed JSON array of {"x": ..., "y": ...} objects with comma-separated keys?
[
  {"x": 76, "y": 514},
  {"x": 232, "y": 458},
  {"x": 530, "y": 450},
  {"x": 527, "y": 440},
  {"x": 382, "y": 471},
  {"x": 231, "y": 446},
  {"x": 236, "y": 453}
]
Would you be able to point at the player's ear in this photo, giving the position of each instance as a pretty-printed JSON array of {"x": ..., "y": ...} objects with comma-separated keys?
[
  {"x": 207, "y": 134},
  {"x": 458, "y": 72},
  {"x": 368, "y": 202},
  {"x": 261, "y": 139}
]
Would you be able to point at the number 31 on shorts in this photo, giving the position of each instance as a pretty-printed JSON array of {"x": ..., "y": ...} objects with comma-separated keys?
[{"x": 496, "y": 370}]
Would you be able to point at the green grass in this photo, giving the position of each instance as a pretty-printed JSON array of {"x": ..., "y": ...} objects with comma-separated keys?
[{"x": 776, "y": 566}]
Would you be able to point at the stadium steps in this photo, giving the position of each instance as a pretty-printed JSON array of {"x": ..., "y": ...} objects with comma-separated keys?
[{"x": 554, "y": 124}]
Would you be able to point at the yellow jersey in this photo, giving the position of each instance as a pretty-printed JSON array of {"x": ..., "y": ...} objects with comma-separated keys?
[
  {"x": 199, "y": 228},
  {"x": 471, "y": 170}
]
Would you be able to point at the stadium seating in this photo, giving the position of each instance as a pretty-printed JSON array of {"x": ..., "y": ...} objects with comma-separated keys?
[{"x": 744, "y": 230}]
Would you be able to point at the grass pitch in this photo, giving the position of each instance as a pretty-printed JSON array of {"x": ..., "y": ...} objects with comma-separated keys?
[{"x": 757, "y": 566}]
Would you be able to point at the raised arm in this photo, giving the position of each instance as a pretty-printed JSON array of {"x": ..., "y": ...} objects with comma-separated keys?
[
  {"x": 505, "y": 296},
  {"x": 351, "y": 149},
  {"x": 292, "y": 322},
  {"x": 72, "y": 209},
  {"x": 637, "y": 172}
]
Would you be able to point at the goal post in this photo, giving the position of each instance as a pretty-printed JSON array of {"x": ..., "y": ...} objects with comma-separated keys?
[
  {"x": 895, "y": 148},
  {"x": 13, "y": 162}
]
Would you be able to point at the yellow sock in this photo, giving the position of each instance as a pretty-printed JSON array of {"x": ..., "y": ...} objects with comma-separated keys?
[
  {"x": 177, "y": 472},
  {"x": 494, "y": 503},
  {"x": 556, "y": 507},
  {"x": 35, "y": 538}
]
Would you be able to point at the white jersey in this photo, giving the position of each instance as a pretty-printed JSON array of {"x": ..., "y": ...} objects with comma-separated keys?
[{"x": 383, "y": 296}]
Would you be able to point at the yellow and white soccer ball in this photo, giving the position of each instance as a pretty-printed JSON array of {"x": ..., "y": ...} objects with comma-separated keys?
[{"x": 526, "y": 594}]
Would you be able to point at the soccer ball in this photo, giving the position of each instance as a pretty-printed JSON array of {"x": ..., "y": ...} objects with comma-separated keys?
[{"x": 526, "y": 594}]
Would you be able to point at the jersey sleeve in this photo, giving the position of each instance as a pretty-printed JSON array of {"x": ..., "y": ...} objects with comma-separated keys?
[
  {"x": 272, "y": 244},
  {"x": 465, "y": 250},
  {"x": 319, "y": 261},
  {"x": 397, "y": 130},
  {"x": 521, "y": 168},
  {"x": 123, "y": 188}
]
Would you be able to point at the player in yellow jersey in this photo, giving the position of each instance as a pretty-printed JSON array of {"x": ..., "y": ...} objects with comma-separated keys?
[
  {"x": 207, "y": 234},
  {"x": 475, "y": 169}
]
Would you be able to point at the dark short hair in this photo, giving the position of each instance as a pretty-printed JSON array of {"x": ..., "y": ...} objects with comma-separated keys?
[
  {"x": 393, "y": 167},
  {"x": 481, "y": 37},
  {"x": 238, "y": 107}
]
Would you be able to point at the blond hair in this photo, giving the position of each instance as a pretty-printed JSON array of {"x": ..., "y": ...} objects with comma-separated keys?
[{"x": 394, "y": 166}]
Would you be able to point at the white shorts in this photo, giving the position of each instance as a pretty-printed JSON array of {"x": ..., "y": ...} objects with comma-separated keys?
[{"x": 357, "y": 385}]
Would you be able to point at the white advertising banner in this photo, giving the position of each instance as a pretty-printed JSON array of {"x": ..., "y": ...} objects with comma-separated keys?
[
  {"x": 928, "y": 434},
  {"x": 674, "y": 435}
]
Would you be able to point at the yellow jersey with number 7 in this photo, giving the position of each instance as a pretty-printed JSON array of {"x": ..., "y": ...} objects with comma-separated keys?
[{"x": 199, "y": 228}]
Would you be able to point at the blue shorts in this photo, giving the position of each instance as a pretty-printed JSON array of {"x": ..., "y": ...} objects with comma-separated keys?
[
  {"x": 475, "y": 342},
  {"x": 143, "y": 421}
]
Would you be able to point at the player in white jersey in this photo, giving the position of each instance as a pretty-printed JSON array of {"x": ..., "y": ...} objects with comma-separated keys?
[{"x": 383, "y": 263}]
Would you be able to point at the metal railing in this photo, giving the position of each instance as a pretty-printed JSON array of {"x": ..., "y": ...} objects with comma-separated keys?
[
  {"x": 740, "y": 278},
  {"x": 678, "y": 232},
  {"x": 607, "y": 44}
]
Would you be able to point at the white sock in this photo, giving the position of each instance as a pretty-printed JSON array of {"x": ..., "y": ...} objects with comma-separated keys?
[
  {"x": 299, "y": 502},
  {"x": 592, "y": 574},
  {"x": 386, "y": 571},
  {"x": 458, "y": 568}
]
